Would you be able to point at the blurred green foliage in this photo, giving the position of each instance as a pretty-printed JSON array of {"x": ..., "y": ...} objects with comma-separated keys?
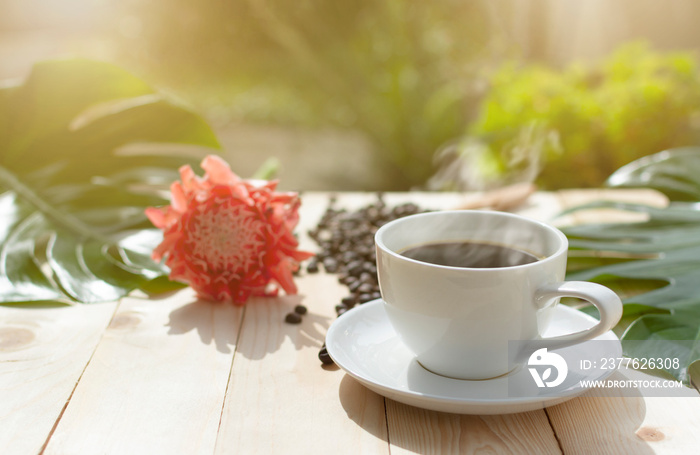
[
  {"x": 414, "y": 76},
  {"x": 406, "y": 73},
  {"x": 634, "y": 103}
]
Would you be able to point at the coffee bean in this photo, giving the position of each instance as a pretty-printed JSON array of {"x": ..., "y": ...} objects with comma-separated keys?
[
  {"x": 349, "y": 300},
  {"x": 365, "y": 288},
  {"x": 292, "y": 318},
  {"x": 300, "y": 309},
  {"x": 348, "y": 257},
  {"x": 324, "y": 357},
  {"x": 312, "y": 266},
  {"x": 354, "y": 286},
  {"x": 341, "y": 307},
  {"x": 330, "y": 264},
  {"x": 364, "y": 298},
  {"x": 366, "y": 277},
  {"x": 355, "y": 268}
]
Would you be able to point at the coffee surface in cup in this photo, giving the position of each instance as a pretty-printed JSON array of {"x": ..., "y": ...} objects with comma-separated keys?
[{"x": 470, "y": 254}]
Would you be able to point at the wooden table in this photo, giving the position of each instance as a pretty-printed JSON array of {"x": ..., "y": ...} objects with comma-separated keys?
[{"x": 179, "y": 376}]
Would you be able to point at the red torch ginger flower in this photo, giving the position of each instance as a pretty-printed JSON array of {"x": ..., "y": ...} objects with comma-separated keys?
[{"x": 228, "y": 238}]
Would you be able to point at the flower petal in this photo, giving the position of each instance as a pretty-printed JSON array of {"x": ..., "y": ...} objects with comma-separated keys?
[
  {"x": 282, "y": 273},
  {"x": 178, "y": 200},
  {"x": 156, "y": 216},
  {"x": 190, "y": 180},
  {"x": 218, "y": 171}
]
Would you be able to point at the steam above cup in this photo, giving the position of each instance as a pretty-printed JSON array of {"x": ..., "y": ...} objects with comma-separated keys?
[{"x": 458, "y": 320}]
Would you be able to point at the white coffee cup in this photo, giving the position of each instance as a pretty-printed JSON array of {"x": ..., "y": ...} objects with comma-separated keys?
[{"x": 458, "y": 321}]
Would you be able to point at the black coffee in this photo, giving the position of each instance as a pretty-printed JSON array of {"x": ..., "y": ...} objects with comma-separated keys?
[{"x": 469, "y": 254}]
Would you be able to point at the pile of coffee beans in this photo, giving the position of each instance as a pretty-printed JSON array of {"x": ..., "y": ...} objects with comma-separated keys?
[{"x": 346, "y": 239}]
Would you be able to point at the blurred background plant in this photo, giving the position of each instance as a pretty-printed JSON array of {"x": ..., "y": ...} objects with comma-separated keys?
[
  {"x": 383, "y": 95},
  {"x": 406, "y": 74},
  {"x": 581, "y": 123}
]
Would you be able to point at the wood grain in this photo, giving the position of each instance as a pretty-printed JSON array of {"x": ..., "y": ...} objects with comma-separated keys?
[
  {"x": 281, "y": 400},
  {"x": 43, "y": 352},
  {"x": 156, "y": 382},
  {"x": 415, "y": 430},
  {"x": 613, "y": 424}
]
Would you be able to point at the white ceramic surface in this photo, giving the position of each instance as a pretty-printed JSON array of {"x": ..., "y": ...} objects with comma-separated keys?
[
  {"x": 364, "y": 344},
  {"x": 445, "y": 313}
]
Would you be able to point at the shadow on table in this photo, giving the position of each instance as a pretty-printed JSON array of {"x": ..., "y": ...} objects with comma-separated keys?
[
  {"x": 215, "y": 322},
  {"x": 608, "y": 424},
  {"x": 264, "y": 330},
  {"x": 254, "y": 330}
]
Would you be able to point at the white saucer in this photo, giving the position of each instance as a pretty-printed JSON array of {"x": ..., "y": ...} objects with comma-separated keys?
[{"x": 364, "y": 344}]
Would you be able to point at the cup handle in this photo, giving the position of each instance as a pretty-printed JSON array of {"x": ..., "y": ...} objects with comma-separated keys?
[{"x": 607, "y": 302}]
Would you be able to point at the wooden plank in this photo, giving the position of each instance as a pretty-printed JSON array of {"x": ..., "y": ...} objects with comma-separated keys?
[
  {"x": 281, "y": 400},
  {"x": 614, "y": 424},
  {"x": 43, "y": 352},
  {"x": 156, "y": 382},
  {"x": 414, "y": 430}
]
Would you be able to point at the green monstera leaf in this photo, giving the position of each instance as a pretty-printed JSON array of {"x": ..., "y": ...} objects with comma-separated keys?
[
  {"x": 665, "y": 250},
  {"x": 75, "y": 178},
  {"x": 674, "y": 172}
]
